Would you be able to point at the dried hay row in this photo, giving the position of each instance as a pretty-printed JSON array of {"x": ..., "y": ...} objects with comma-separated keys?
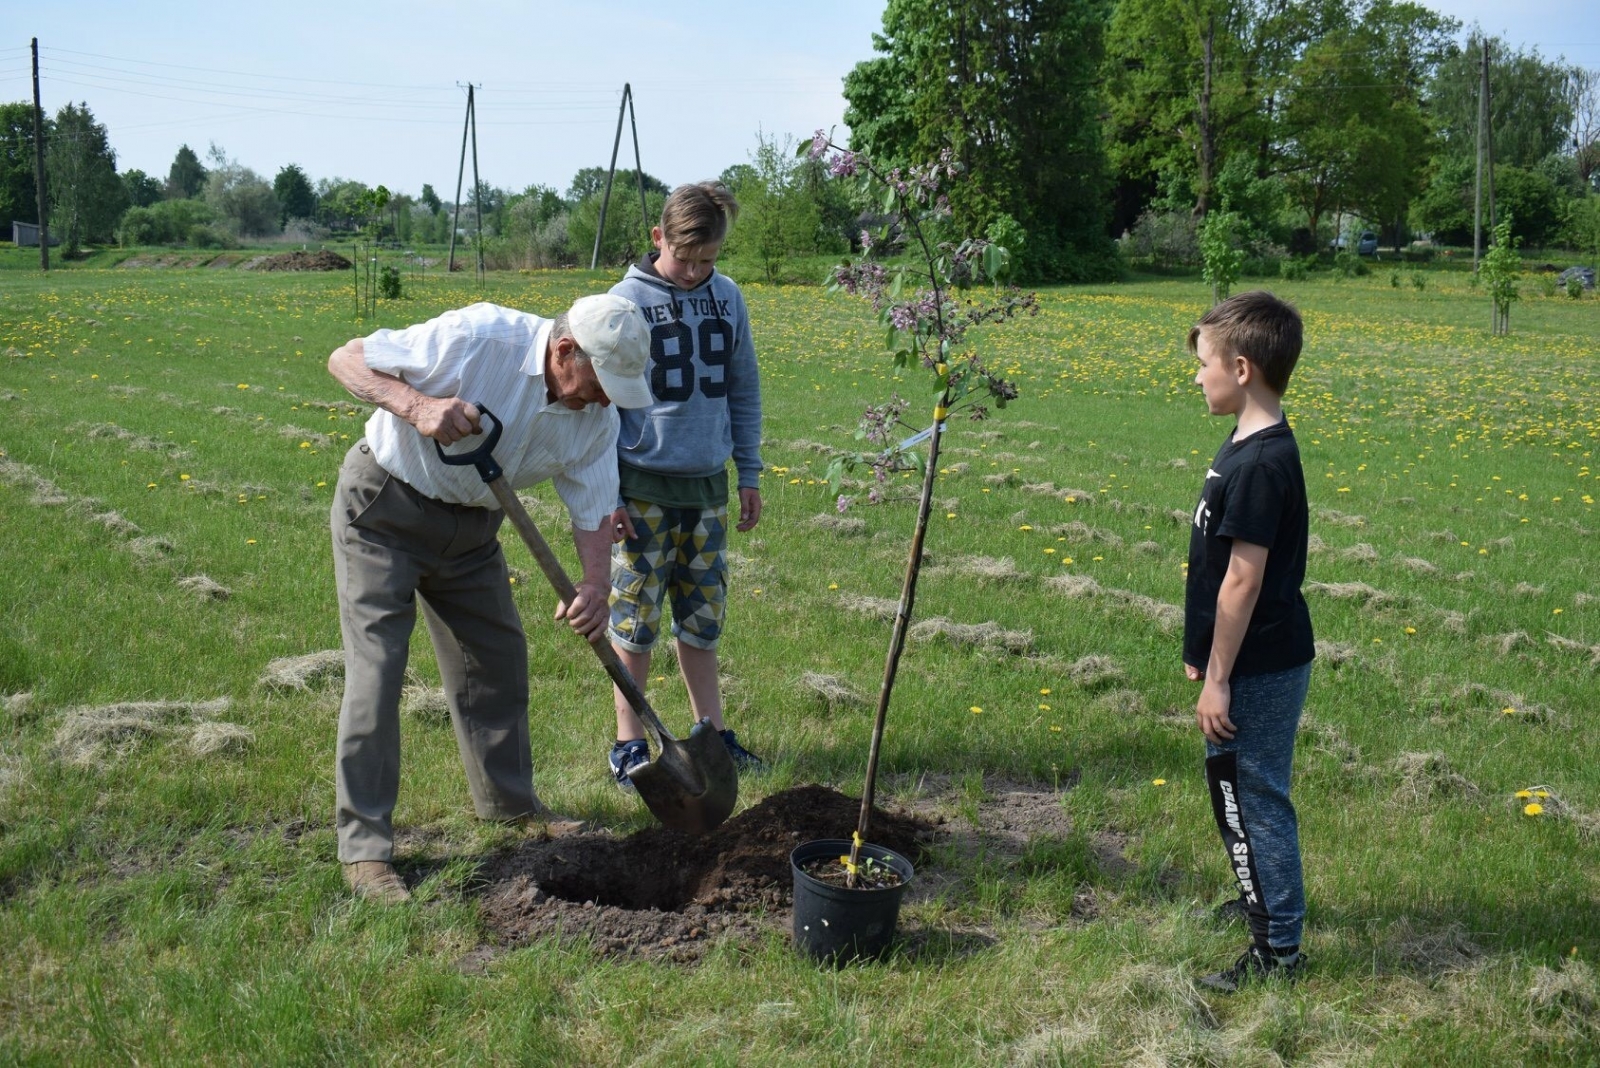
[
  {"x": 1166, "y": 616},
  {"x": 871, "y": 607},
  {"x": 1570, "y": 646},
  {"x": 88, "y": 734},
  {"x": 1339, "y": 519},
  {"x": 1080, "y": 533},
  {"x": 315, "y": 438},
  {"x": 1423, "y": 776},
  {"x": 304, "y": 672},
  {"x": 205, "y": 588},
  {"x": 982, "y": 568},
  {"x": 835, "y": 692},
  {"x": 213, "y": 737},
  {"x": 45, "y": 494},
  {"x": 426, "y": 702},
  {"x": 1555, "y": 807},
  {"x": 988, "y": 636},
  {"x": 843, "y": 525},
  {"x": 137, "y": 442},
  {"x": 1094, "y": 670}
]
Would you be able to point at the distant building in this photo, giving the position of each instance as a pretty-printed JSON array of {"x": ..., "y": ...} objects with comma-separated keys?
[{"x": 26, "y": 235}]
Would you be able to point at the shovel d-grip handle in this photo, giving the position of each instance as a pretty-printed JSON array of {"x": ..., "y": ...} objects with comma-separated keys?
[
  {"x": 483, "y": 456},
  {"x": 483, "y": 459}
]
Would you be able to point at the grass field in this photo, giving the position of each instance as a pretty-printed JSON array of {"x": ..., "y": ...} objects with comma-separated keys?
[{"x": 168, "y": 890}]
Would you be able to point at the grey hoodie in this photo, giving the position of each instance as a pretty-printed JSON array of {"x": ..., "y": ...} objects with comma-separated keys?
[{"x": 703, "y": 375}]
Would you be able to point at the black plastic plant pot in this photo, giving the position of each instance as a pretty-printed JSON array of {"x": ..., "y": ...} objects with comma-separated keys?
[{"x": 838, "y": 924}]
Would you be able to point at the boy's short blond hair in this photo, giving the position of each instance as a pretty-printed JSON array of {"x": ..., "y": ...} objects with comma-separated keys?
[
  {"x": 698, "y": 215},
  {"x": 1261, "y": 328}
]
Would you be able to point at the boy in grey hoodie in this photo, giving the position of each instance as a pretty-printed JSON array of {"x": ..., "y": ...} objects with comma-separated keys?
[{"x": 670, "y": 531}]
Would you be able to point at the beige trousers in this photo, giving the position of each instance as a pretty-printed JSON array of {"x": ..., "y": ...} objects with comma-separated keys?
[{"x": 393, "y": 547}]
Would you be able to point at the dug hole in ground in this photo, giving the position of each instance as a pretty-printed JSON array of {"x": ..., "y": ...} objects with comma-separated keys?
[{"x": 666, "y": 895}]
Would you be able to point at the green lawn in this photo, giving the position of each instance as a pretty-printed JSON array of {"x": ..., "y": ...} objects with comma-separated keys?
[{"x": 168, "y": 889}]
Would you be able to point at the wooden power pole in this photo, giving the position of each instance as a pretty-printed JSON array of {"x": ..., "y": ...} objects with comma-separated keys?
[
  {"x": 638, "y": 171},
  {"x": 470, "y": 126},
  {"x": 1485, "y": 154},
  {"x": 38, "y": 167}
]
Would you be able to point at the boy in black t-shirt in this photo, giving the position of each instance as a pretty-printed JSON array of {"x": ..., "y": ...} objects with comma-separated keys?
[{"x": 1247, "y": 630}]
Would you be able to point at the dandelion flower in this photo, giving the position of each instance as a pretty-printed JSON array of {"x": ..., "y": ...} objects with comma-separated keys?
[
  {"x": 1532, "y": 809},
  {"x": 1158, "y": 782},
  {"x": 1055, "y": 727},
  {"x": 975, "y": 710},
  {"x": 1044, "y": 690},
  {"x": 1411, "y": 630},
  {"x": 249, "y": 541},
  {"x": 183, "y": 478},
  {"x": 1522, "y": 795}
]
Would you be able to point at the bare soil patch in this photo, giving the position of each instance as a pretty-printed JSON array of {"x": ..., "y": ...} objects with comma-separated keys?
[{"x": 665, "y": 895}]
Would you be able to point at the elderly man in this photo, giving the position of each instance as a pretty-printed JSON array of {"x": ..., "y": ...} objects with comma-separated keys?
[{"x": 408, "y": 528}]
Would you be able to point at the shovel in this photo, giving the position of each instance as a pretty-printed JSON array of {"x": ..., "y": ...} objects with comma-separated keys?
[{"x": 692, "y": 784}]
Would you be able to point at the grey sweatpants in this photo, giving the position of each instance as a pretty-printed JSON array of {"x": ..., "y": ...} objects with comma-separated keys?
[{"x": 391, "y": 548}]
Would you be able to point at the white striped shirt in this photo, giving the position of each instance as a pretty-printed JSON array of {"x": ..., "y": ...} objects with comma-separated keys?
[{"x": 486, "y": 354}]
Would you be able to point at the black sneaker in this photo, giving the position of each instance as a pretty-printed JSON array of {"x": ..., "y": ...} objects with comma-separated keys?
[
  {"x": 626, "y": 755},
  {"x": 743, "y": 759},
  {"x": 1255, "y": 965}
]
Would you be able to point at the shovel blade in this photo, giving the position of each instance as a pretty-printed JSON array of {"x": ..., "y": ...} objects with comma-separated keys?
[{"x": 692, "y": 784}]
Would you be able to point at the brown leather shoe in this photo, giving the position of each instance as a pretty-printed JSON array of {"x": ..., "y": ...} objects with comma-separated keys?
[{"x": 376, "y": 880}]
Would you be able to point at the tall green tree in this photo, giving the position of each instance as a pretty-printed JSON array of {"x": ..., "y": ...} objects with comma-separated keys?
[
  {"x": 1531, "y": 99},
  {"x": 1010, "y": 88},
  {"x": 241, "y": 198},
  {"x": 1354, "y": 135},
  {"x": 296, "y": 198},
  {"x": 19, "y": 198},
  {"x": 591, "y": 181},
  {"x": 86, "y": 196},
  {"x": 142, "y": 189},
  {"x": 1192, "y": 83},
  {"x": 187, "y": 175}
]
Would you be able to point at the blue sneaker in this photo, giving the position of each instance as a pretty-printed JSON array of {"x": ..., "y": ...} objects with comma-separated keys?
[
  {"x": 626, "y": 755},
  {"x": 743, "y": 759}
]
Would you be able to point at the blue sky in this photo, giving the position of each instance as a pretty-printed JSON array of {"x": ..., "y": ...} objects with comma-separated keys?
[{"x": 376, "y": 92}]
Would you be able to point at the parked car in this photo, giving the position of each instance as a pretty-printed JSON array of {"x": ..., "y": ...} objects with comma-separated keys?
[
  {"x": 1585, "y": 274},
  {"x": 1366, "y": 244}
]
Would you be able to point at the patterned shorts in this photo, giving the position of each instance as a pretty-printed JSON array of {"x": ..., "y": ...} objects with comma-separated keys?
[{"x": 681, "y": 554}]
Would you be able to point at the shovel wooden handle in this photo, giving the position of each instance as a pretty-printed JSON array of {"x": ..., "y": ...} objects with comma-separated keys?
[
  {"x": 567, "y": 592},
  {"x": 482, "y": 458}
]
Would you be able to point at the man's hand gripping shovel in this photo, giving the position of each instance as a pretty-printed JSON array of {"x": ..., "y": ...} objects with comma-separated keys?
[{"x": 692, "y": 784}]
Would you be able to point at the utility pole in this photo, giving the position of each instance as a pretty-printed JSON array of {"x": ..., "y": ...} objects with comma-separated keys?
[
  {"x": 1208, "y": 147},
  {"x": 471, "y": 124},
  {"x": 1485, "y": 151},
  {"x": 611, "y": 173},
  {"x": 38, "y": 167}
]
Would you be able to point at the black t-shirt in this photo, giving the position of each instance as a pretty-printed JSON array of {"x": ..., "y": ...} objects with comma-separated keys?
[{"x": 1255, "y": 491}]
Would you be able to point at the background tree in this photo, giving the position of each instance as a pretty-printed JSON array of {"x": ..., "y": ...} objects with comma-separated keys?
[
  {"x": 142, "y": 189},
  {"x": 242, "y": 200},
  {"x": 1584, "y": 92},
  {"x": 591, "y": 182},
  {"x": 341, "y": 202},
  {"x": 1011, "y": 89},
  {"x": 296, "y": 199},
  {"x": 187, "y": 176},
  {"x": 1532, "y": 102},
  {"x": 431, "y": 199},
  {"x": 777, "y": 216},
  {"x": 86, "y": 196},
  {"x": 19, "y": 198}
]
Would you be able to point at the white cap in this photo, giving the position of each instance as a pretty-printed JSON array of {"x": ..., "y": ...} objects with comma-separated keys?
[{"x": 611, "y": 331}]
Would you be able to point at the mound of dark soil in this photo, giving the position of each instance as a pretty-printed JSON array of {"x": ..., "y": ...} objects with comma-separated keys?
[
  {"x": 321, "y": 260},
  {"x": 663, "y": 894}
]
